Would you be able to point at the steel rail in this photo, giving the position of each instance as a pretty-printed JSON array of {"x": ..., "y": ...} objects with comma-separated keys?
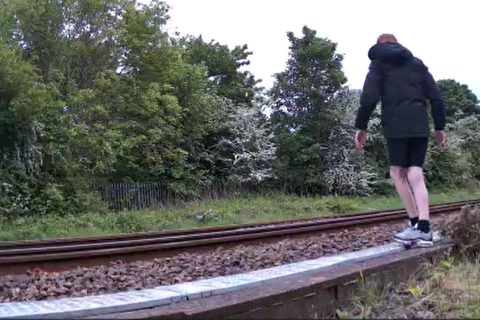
[{"x": 14, "y": 254}]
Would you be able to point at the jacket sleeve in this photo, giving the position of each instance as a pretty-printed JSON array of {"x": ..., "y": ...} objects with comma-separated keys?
[
  {"x": 370, "y": 96},
  {"x": 436, "y": 102}
]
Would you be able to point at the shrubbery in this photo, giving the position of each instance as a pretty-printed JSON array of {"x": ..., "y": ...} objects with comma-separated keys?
[{"x": 123, "y": 100}]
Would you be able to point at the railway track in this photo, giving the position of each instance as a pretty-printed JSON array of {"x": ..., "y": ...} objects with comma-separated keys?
[{"x": 58, "y": 254}]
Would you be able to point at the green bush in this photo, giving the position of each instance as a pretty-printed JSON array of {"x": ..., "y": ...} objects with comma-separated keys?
[
  {"x": 339, "y": 205},
  {"x": 22, "y": 195},
  {"x": 133, "y": 221},
  {"x": 464, "y": 229}
]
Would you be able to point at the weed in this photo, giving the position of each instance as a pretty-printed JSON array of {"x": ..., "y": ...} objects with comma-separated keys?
[
  {"x": 206, "y": 216},
  {"x": 464, "y": 229},
  {"x": 340, "y": 204},
  {"x": 448, "y": 289},
  {"x": 250, "y": 209}
]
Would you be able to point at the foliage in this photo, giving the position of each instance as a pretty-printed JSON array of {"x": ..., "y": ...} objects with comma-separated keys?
[
  {"x": 303, "y": 101},
  {"x": 464, "y": 229},
  {"x": 223, "y": 67},
  {"x": 347, "y": 170},
  {"x": 238, "y": 210},
  {"x": 447, "y": 289},
  {"x": 459, "y": 100},
  {"x": 252, "y": 146},
  {"x": 459, "y": 163},
  {"x": 98, "y": 91}
]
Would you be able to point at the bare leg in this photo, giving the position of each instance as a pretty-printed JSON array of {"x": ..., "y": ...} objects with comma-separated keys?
[
  {"x": 420, "y": 192},
  {"x": 399, "y": 176}
]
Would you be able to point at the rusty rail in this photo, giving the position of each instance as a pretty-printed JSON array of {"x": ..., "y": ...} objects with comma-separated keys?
[{"x": 19, "y": 256}]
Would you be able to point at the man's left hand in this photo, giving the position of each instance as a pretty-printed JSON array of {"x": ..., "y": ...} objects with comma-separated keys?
[
  {"x": 441, "y": 139},
  {"x": 360, "y": 139}
]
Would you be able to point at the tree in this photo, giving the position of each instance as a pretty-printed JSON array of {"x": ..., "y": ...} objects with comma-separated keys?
[
  {"x": 252, "y": 145},
  {"x": 347, "y": 171},
  {"x": 223, "y": 67},
  {"x": 219, "y": 152},
  {"x": 149, "y": 121},
  {"x": 303, "y": 110},
  {"x": 459, "y": 100},
  {"x": 468, "y": 130},
  {"x": 30, "y": 122},
  {"x": 69, "y": 41},
  {"x": 459, "y": 163},
  {"x": 21, "y": 127}
]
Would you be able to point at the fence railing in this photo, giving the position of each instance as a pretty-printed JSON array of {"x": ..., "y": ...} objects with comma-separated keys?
[
  {"x": 147, "y": 195},
  {"x": 122, "y": 195}
]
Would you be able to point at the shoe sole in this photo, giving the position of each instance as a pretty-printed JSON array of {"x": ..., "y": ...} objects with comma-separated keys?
[
  {"x": 415, "y": 242},
  {"x": 424, "y": 243},
  {"x": 406, "y": 243},
  {"x": 404, "y": 240}
]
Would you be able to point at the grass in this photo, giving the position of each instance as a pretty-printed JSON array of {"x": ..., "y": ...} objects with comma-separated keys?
[
  {"x": 449, "y": 289},
  {"x": 204, "y": 213}
]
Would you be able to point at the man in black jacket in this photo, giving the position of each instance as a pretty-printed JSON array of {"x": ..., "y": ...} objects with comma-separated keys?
[{"x": 403, "y": 84}]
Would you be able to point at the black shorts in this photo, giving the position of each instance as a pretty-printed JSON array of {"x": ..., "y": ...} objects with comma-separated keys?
[{"x": 407, "y": 152}]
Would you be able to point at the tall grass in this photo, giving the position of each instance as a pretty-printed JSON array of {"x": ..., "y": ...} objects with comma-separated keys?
[
  {"x": 203, "y": 213},
  {"x": 449, "y": 289}
]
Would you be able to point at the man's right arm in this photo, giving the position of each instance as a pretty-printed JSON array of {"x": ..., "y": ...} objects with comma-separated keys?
[{"x": 370, "y": 96}]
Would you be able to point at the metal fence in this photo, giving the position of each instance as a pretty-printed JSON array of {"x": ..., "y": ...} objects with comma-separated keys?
[
  {"x": 123, "y": 195},
  {"x": 146, "y": 195}
]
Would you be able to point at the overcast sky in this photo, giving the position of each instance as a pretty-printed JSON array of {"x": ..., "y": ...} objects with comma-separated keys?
[{"x": 444, "y": 34}]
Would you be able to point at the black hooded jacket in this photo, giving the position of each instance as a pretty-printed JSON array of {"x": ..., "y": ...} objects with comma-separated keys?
[{"x": 403, "y": 84}]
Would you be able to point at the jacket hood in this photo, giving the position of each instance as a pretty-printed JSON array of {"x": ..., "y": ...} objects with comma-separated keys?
[{"x": 390, "y": 53}]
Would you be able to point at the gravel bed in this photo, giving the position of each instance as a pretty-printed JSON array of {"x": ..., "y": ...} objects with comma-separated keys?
[{"x": 118, "y": 276}]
